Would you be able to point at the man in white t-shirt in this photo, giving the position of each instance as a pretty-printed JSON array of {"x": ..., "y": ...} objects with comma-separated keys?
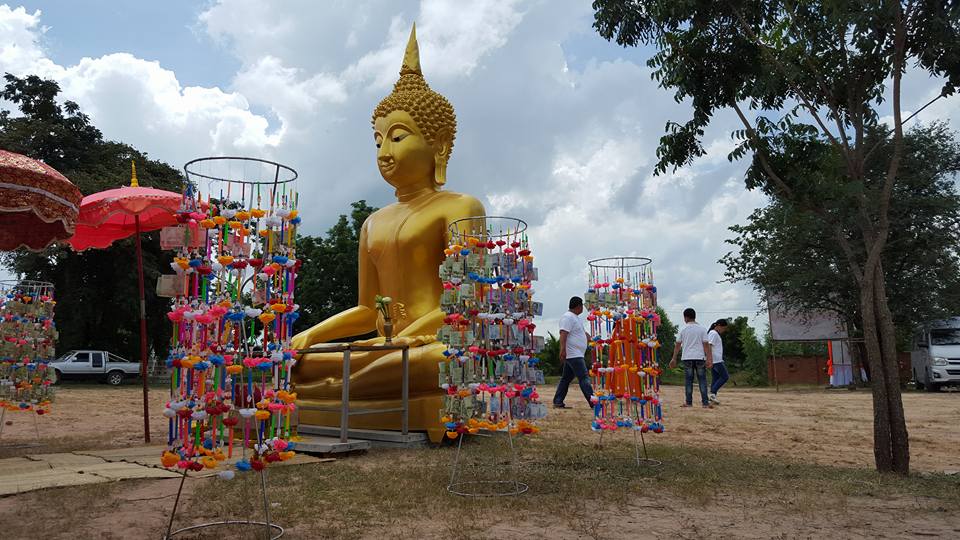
[
  {"x": 573, "y": 348},
  {"x": 718, "y": 374},
  {"x": 696, "y": 357}
]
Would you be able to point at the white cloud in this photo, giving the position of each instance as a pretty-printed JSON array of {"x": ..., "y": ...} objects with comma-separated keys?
[{"x": 20, "y": 48}]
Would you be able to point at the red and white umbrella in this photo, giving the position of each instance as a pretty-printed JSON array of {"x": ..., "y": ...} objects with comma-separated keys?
[{"x": 38, "y": 205}]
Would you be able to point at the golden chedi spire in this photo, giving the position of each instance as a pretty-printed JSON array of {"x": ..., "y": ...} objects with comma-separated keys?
[
  {"x": 431, "y": 111},
  {"x": 133, "y": 174}
]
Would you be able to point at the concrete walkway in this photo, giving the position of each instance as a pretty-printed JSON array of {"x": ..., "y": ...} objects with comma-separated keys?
[{"x": 40, "y": 471}]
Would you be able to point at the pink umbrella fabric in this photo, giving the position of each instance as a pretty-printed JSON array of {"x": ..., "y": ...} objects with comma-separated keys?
[
  {"x": 38, "y": 205},
  {"x": 111, "y": 215}
]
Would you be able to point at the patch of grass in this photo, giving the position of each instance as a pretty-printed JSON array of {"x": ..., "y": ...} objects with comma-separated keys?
[{"x": 354, "y": 496}]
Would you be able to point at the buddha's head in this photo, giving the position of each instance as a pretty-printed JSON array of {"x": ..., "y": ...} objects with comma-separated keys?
[{"x": 414, "y": 128}]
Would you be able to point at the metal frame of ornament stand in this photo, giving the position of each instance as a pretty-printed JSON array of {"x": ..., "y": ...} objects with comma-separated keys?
[
  {"x": 646, "y": 459},
  {"x": 36, "y": 429},
  {"x": 269, "y": 527},
  {"x": 639, "y": 262},
  {"x": 462, "y": 488},
  {"x": 34, "y": 288}
]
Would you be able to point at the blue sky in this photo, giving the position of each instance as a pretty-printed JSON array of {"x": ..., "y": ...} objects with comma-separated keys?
[
  {"x": 164, "y": 31},
  {"x": 555, "y": 125}
]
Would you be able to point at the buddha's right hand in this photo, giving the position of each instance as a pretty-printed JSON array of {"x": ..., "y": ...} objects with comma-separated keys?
[{"x": 301, "y": 340}]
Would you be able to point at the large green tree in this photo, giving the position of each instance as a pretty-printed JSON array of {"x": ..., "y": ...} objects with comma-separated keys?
[
  {"x": 823, "y": 70},
  {"x": 96, "y": 290},
  {"x": 788, "y": 253},
  {"x": 327, "y": 282}
]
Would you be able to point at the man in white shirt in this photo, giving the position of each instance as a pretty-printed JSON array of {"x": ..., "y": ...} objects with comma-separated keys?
[
  {"x": 718, "y": 374},
  {"x": 573, "y": 348},
  {"x": 696, "y": 357}
]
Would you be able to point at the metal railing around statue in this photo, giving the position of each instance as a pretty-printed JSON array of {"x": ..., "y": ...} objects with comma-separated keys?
[
  {"x": 621, "y": 304},
  {"x": 344, "y": 409},
  {"x": 490, "y": 375}
]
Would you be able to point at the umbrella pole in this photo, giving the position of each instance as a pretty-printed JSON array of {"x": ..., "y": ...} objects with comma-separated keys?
[{"x": 143, "y": 337}]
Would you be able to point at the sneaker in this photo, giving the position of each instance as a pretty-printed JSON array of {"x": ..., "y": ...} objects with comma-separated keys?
[
  {"x": 714, "y": 400},
  {"x": 560, "y": 406},
  {"x": 707, "y": 406},
  {"x": 685, "y": 405}
]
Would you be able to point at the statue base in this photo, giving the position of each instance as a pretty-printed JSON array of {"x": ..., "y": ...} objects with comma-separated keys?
[{"x": 423, "y": 415}]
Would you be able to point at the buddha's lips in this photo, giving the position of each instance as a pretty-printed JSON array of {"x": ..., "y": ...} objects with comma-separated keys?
[{"x": 387, "y": 168}]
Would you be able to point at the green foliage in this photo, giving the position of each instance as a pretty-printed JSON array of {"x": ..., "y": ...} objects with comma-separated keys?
[
  {"x": 666, "y": 335},
  {"x": 786, "y": 252},
  {"x": 755, "y": 356},
  {"x": 96, "y": 291},
  {"x": 733, "y": 353},
  {"x": 327, "y": 282}
]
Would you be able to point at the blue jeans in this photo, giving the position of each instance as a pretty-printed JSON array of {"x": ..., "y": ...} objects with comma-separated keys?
[
  {"x": 700, "y": 367},
  {"x": 720, "y": 377},
  {"x": 573, "y": 367}
]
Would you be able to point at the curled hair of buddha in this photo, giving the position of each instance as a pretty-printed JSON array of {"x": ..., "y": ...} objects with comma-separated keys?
[{"x": 431, "y": 111}]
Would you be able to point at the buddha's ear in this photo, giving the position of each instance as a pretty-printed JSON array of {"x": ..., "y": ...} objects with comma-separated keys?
[{"x": 440, "y": 157}]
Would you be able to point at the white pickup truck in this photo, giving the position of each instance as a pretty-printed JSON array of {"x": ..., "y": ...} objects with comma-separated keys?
[{"x": 101, "y": 365}]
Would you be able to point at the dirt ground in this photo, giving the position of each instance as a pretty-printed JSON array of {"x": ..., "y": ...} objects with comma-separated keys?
[
  {"x": 811, "y": 426},
  {"x": 85, "y": 417},
  {"x": 829, "y": 427}
]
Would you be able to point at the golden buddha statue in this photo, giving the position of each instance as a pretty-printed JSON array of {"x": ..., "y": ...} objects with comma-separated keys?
[{"x": 401, "y": 249}]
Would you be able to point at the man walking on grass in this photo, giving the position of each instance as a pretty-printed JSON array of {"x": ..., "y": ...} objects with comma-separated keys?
[
  {"x": 573, "y": 348},
  {"x": 696, "y": 357}
]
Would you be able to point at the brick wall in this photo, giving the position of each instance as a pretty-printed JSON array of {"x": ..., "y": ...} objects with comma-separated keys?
[
  {"x": 813, "y": 369},
  {"x": 797, "y": 370}
]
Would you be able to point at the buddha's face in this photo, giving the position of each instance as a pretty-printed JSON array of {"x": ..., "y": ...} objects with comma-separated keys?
[{"x": 404, "y": 156}]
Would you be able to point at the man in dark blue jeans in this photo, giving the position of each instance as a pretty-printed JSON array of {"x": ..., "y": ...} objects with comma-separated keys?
[
  {"x": 573, "y": 347},
  {"x": 697, "y": 357}
]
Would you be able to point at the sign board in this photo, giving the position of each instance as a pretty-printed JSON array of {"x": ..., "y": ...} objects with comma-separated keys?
[
  {"x": 180, "y": 236},
  {"x": 790, "y": 325},
  {"x": 170, "y": 285}
]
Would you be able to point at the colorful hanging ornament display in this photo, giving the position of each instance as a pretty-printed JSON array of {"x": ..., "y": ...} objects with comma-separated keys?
[
  {"x": 621, "y": 302},
  {"x": 233, "y": 313},
  {"x": 492, "y": 368},
  {"x": 28, "y": 339}
]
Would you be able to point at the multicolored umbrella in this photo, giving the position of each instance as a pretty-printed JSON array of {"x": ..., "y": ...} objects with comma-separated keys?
[
  {"x": 38, "y": 205},
  {"x": 115, "y": 214}
]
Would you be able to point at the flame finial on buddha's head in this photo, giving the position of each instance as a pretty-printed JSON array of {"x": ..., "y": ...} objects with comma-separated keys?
[{"x": 431, "y": 111}]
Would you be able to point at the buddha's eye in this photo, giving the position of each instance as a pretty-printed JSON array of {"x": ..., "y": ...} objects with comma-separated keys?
[{"x": 398, "y": 138}]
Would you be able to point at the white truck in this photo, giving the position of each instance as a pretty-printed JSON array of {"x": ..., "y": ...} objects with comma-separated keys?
[
  {"x": 935, "y": 355},
  {"x": 101, "y": 365}
]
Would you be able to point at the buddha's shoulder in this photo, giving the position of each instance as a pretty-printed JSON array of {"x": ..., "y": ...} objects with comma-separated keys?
[{"x": 461, "y": 201}]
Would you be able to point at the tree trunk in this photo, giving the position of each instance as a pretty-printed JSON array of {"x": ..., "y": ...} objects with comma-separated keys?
[
  {"x": 890, "y": 441},
  {"x": 882, "y": 454},
  {"x": 900, "y": 442}
]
